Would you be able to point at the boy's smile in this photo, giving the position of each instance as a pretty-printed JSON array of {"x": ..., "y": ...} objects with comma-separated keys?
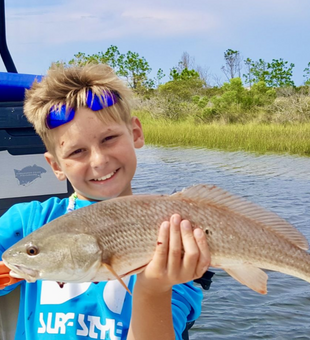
[
  {"x": 105, "y": 177},
  {"x": 97, "y": 158}
]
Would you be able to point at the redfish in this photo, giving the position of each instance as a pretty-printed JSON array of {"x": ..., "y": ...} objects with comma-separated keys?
[{"x": 116, "y": 238}]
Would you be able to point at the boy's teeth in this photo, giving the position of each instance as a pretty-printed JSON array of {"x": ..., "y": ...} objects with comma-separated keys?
[{"x": 105, "y": 177}]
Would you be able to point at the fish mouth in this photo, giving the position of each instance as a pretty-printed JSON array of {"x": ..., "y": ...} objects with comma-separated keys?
[{"x": 23, "y": 272}]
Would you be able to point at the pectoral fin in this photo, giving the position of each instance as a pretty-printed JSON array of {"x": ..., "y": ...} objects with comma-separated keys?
[
  {"x": 111, "y": 270},
  {"x": 250, "y": 276}
]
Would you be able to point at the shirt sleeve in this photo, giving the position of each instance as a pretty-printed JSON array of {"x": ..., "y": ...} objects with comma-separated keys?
[
  {"x": 11, "y": 231},
  {"x": 186, "y": 306},
  {"x": 22, "y": 219}
]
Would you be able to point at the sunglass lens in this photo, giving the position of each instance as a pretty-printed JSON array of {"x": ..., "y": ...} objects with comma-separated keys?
[
  {"x": 59, "y": 117},
  {"x": 94, "y": 103}
]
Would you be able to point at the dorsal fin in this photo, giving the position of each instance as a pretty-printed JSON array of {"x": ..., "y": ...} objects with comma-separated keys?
[{"x": 210, "y": 194}]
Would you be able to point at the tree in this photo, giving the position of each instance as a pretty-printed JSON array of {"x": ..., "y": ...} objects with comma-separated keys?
[
  {"x": 134, "y": 68},
  {"x": 257, "y": 71},
  {"x": 186, "y": 74},
  {"x": 204, "y": 75},
  {"x": 235, "y": 99},
  {"x": 183, "y": 85},
  {"x": 186, "y": 62},
  {"x": 277, "y": 73},
  {"x": 109, "y": 57},
  {"x": 159, "y": 76},
  {"x": 248, "y": 76},
  {"x": 232, "y": 68},
  {"x": 307, "y": 74},
  {"x": 131, "y": 66},
  {"x": 280, "y": 73}
]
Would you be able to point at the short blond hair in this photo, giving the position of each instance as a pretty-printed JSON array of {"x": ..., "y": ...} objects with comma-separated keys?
[{"x": 69, "y": 86}]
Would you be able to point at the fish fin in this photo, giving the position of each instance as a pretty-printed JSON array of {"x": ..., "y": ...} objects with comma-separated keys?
[
  {"x": 250, "y": 276},
  {"x": 135, "y": 271},
  {"x": 211, "y": 194},
  {"x": 111, "y": 270}
]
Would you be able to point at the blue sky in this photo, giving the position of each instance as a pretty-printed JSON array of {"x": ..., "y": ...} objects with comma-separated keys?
[{"x": 42, "y": 31}]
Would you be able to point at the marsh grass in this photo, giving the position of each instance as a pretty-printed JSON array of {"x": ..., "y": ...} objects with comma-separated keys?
[{"x": 253, "y": 137}]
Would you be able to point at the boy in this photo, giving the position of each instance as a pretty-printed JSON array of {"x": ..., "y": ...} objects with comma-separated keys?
[{"x": 83, "y": 116}]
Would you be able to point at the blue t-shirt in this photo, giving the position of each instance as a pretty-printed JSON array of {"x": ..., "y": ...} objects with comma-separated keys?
[{"x": 83, "y": 310}]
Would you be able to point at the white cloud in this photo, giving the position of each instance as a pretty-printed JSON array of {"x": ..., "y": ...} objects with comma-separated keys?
[
  {"x": 99, "y": 20},
  {"x": 70, "y": 21},
  {"x": 39, "y": 32},
  {"x": 158, "y": 22}
]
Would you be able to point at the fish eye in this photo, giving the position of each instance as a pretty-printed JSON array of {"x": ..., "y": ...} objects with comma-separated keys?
[{"x": 32, "y": 251}]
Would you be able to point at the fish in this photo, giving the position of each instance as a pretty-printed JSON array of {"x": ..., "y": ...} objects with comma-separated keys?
[{"x": 116, "y": 238}]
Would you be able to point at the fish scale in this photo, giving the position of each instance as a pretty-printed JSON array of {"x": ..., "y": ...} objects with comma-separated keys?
[{"x": 118, "y": 237}]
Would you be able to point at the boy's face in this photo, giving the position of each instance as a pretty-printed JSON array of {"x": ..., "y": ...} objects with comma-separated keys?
[{"x": 98, "y": 159}]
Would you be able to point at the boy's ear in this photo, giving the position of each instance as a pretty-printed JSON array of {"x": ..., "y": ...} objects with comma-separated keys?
[
  {"x": 137, "y": 132},
  {"x": 51, "y": 160}
]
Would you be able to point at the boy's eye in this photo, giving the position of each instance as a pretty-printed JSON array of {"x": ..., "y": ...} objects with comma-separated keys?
[
  {"x": 109, "y": 138},
  {"x": 75, "y": 152}
]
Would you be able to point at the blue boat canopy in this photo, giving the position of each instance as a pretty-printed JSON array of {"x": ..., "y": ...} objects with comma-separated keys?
[{"x": 13, "y": 85}]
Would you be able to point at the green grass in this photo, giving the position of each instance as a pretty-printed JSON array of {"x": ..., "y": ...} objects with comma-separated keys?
[{"x": 259, "y": 138}]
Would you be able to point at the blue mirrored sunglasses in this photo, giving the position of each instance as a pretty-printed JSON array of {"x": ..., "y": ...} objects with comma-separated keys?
[{"x": 63, "y": 115}]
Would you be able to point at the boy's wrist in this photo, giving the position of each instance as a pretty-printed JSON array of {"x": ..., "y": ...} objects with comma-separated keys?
[{"x": 147, "y": 288}]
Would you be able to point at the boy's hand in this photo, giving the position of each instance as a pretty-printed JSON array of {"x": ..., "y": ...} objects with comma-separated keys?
[{"x": 182, "y": 255}]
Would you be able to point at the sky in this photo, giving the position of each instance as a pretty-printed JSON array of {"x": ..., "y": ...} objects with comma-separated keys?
[{"x": 39, "y": 32}]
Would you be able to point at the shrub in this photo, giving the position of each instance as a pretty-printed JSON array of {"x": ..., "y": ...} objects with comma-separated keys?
[
  {"x": 293, "y": 109},
  {"x": 182, "y": 89}
]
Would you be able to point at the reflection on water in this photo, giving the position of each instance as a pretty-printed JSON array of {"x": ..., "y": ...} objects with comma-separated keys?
[{"x": 279, "y": 183}]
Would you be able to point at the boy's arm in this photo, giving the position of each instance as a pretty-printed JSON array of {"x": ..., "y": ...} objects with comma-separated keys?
[
  {"x": 152, "y": 311},
  {"x": 11, "y": 231}
]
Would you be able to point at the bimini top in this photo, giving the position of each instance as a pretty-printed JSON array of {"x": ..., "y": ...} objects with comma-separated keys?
[{"x": 13, "y": 85}]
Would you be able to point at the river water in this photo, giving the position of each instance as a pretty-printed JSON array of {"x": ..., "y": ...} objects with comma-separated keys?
[{"x": 278, "y": 183}]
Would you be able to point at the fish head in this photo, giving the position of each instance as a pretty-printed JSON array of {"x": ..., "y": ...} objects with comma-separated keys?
[{"x": 61, "y": 256}]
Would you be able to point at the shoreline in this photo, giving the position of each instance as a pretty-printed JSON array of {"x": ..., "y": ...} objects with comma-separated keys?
[{"x": 259, "y": 138}]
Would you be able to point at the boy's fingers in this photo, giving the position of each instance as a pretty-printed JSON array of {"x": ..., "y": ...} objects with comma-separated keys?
[
  {"x": 191, "y": 249},
  {"x": 204, "y": 252},
  {"x": 161, "y": 254},
  {"x": 175, "y": 246}
]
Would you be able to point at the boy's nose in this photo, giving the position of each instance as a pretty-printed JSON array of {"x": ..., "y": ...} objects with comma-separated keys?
[{"x": 98, "y": 159}]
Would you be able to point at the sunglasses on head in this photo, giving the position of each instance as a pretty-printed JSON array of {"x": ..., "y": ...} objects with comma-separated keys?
[{"x": 59, "y": 116}]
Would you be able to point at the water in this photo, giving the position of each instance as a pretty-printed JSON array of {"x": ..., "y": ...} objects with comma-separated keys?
[{"x": 279, "y": 183}]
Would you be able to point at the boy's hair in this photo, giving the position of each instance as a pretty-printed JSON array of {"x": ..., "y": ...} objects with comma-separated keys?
[{"x": 69, "y": 86}]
